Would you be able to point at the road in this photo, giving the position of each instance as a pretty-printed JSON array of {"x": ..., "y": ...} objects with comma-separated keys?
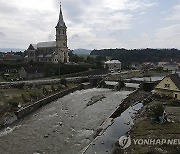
[
  {"x": 65, "y": 126},
  {"x": 46, "y": 81}
]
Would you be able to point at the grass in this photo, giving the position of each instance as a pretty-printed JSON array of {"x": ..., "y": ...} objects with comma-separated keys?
[
  {"x": 174, "y": 103},
  {"x": 1, "y": 79},
  {"x": 146, "y": 128},
  {"x": 27, "y": 95}
]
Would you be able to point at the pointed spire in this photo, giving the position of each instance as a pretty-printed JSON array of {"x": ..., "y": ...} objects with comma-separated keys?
[{"x": 61, "y": 20}]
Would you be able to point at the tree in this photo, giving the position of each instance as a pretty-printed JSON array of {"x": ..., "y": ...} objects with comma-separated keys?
[
  {"x": 90, "y": 60},
  {"x": 63, "y": 82},
  {"x": 157, "y": 111}
]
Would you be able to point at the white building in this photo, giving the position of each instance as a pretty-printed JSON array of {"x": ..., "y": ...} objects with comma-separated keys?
[
  {"x": 170, "y": 66},
  {"x": 113, "y": 65}
]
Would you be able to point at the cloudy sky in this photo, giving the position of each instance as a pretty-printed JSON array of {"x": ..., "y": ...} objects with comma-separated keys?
[{"x": 92, "y": 24}]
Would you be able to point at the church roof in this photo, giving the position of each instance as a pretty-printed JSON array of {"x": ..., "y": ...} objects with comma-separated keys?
[
  {"x": 44, "y": 45},
  {"x": 61, "y": 22}
]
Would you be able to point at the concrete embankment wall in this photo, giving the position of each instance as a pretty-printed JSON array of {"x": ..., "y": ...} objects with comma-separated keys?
[{"x": 33, "y": 107}]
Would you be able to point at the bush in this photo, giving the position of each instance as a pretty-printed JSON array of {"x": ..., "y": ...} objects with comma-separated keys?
[
  {"x": 13, "y": 103},
  {"x": 24, "y": 98},
  {"x": 33, "y": 95},
  {"x": 45, "y": 91},
  {"x": 157, "y": 111},
  {"x": 19, "y": 86},
  {"x": 53, "y": 89},
  {"x": 174, "y": 103},
  {"x": 63, "y": 82}
]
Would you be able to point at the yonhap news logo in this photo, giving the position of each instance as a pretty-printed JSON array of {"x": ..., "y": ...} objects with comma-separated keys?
[{"x": 125, "y": 141}]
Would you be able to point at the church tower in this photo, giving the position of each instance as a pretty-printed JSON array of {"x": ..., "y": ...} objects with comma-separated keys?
[{"x": 61, "y": 40}]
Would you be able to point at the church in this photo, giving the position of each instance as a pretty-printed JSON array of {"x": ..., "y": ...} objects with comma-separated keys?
[{"x": 54, "y": 51}]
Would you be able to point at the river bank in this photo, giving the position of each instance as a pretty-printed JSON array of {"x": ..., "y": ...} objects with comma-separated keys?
[
  {"x": 108, "y": 134},
  {"x": 147, "y": 128},
  {"x": 13, "y": 116}
]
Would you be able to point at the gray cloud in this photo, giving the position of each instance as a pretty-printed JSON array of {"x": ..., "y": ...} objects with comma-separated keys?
[
  {"x": 91, "y": 23},
  {"x": 8, "y": 8},
  {"x": 2, "y": 35}
]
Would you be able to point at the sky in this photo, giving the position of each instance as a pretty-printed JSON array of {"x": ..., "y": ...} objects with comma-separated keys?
[{"x": 92, "y": 24}]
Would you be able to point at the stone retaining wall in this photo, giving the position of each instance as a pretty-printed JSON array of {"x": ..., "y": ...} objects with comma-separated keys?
[{"x": 33, "y": 107}]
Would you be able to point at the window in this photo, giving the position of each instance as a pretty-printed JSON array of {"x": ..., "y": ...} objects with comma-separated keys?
[
  {"x": 175, "y": 95},
  {"x": 166, "y": 85}
]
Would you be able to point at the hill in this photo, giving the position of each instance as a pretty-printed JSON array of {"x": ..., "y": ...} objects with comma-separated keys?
[
  {"x": 140, "y": 55},
  {"x": 82, "y": 51}
]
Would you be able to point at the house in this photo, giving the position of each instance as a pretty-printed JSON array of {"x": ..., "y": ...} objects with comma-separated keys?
[
  {"x": 160, "y": 64},
  {"x": 113, "y": 65},
  {"x": 30, "y": 73},
  {"x": 170, "y": 66},
  {"x": 169, "y": 86},
  {"x": 53, "y": 51},
  {"x": 12, "y": 57}
]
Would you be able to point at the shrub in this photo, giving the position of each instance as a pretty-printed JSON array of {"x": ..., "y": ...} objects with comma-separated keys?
[
  {"x": 19, "y": 86},
  {"x": 13, "y": 103},
  {"x": 157, "y": 111},
  {"x": 53, "y": 89},
  {"x": 45, "y": 91},
  {"x": 33, "y": 95},
  {"x": 24, "y": 98},
  {"x": 174, "y": 103},
  {"x": 63, "y": 82}
]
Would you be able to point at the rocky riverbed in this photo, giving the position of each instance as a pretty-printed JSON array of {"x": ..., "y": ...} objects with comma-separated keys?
[{"x": 65, "y": 126}]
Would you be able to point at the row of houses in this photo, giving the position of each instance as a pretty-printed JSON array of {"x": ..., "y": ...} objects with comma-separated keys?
[
  {"x": 115, "y": 65},
  {"x": 10, "y": 57},
  {"x": 166, "y": 66}
]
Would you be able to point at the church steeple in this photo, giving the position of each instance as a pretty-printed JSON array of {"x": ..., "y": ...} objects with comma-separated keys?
[
  {"x": 61, "y": 39},
  {"x": 61, "y": 22}
]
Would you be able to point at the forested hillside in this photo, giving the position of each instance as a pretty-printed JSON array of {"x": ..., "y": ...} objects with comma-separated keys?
[{"x": 140, "y": 55}]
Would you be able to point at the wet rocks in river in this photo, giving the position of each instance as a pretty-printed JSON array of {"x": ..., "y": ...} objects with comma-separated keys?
[
  {"x": 95, "y": 99},
  {"x": 46, "y": 136}
]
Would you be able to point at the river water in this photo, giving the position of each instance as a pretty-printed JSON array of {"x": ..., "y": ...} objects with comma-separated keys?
[
  {"x": 120, "y": 126},
  {"x": 65, "y": 126}
]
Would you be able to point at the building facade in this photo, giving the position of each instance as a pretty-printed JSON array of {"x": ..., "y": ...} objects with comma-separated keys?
[
  {"x": 113, "y": 65},
  {"x": 169, "y": 86},
  {"x": 54, "y": 51},
  {"x": 170, "y": 67}
]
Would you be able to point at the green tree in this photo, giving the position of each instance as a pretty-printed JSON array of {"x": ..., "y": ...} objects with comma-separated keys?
[{"x": 64, "y": 82}]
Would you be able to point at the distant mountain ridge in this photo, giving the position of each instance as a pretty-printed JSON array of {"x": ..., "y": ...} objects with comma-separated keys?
[
  {"x": 11, "y": 49},
  {"x": 82, "y": 51}
]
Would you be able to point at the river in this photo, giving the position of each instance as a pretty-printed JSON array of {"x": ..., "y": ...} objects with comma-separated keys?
[{"x": 65, "y": 126}]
